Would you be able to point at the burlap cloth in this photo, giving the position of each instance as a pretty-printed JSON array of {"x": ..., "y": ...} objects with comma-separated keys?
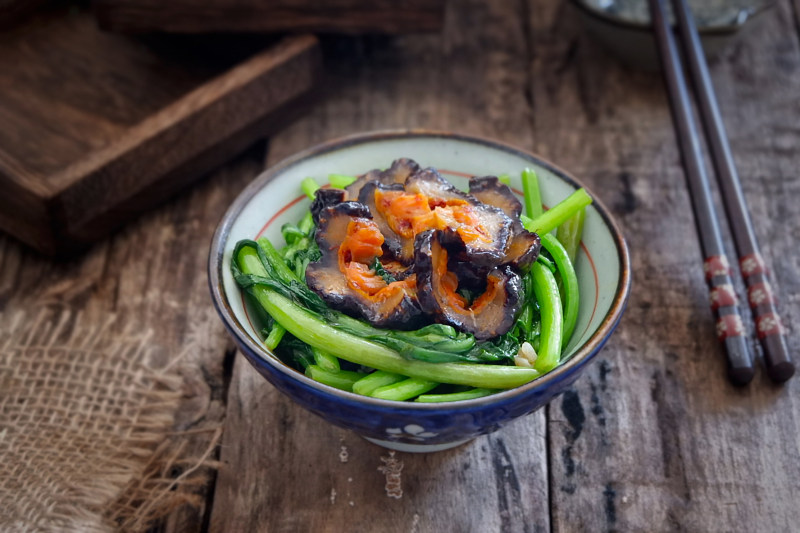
[{"x": 85, "y": 429}]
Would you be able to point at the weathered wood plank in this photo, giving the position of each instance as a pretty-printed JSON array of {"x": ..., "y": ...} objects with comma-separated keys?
[
  {"x": 286, "y": 470},
  {"x": 653, "y": 437},
  {"x": 281, "y": 465}
]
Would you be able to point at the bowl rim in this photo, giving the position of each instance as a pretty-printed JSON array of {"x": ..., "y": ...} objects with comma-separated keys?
[
  {"x": 589, "y": 349},
  {"x": 642, "y": 27}
]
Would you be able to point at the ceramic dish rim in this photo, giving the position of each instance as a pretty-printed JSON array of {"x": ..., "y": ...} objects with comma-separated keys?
[
  {"x": 578, "y": 359},
  {"x": 645, "y": 28}
]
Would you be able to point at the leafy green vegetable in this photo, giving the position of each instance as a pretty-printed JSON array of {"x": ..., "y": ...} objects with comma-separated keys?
[
  {"x": 251, "y": 269},
  {"x": 295, "y": 352}
]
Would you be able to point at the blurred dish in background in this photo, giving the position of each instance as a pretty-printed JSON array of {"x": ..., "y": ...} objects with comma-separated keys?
[{"x": 623, "y": 26}]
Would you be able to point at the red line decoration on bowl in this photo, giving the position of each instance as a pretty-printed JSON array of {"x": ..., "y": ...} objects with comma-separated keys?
[
  {"x": 279, "y": 213},
  {"x": 457, "y": 174}
]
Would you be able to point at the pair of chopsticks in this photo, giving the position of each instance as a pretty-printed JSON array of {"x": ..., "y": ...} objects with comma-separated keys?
[{"x": 724, "y": 301}]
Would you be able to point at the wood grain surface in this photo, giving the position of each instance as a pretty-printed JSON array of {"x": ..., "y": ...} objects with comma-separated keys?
[
  {"x": 99, "y": 126},
  {"x": 12, "y": 11},
  {"x": 651, "y": 437},
  {"x": 339, "y": 16}
]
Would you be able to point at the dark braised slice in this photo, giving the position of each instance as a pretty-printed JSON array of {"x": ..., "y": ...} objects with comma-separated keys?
[
  {"x": 400, "y": 170},
  {"x": 489, "y": 190},
  {"x": 349, "y": 242},
  {"x": 325, "y": 198},
  {"x": 398, "y": 245},
  {"x": 471, "y": 277},
  {"x": 490, "y": 314},
  {"x": 523, "y": 246},
  {"x": 430, "y": 183},
  {"x": 484, "y": 229}
]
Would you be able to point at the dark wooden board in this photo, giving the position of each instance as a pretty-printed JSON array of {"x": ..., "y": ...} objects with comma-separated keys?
[
  {"x": 339, "y": 16},
  {"x": 98, "y": 126}
]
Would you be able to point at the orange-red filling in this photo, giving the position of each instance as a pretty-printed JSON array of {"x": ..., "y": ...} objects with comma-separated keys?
[
  {"x": 360, "y": 247},
  {"x": 449, "y": 283},
  {"x": 411, "y": 214}
]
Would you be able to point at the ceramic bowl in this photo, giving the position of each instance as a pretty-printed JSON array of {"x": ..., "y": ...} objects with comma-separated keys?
[
  {"x": 623, "y": 26},
  {"x": 274, "y": 198}
]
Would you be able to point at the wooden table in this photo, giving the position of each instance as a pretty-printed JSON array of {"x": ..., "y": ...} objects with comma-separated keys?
[{"x": 651, "y": 438}]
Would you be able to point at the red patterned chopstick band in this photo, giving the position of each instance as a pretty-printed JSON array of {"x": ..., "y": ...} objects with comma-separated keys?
[
  {"x": 729, "y": 326},
  {"x": 723, "y": 297},
  {"x": 769, "y": 324},
  {"x": 716, "y": 265},
  {"x": 760, "y": 295},
  {"x": 752, "y": 264}
]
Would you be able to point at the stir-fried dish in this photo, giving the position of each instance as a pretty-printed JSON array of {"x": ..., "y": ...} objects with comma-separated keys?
[{"x": 398, "y": 285}]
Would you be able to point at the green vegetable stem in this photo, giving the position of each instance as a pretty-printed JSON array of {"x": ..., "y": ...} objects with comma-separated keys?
[
  {"x": 341, "y": 379},
  {"x": 325, "y": 360},
  {"x": 570, "y": 232},
  {"x": 569, "y": 282},
  {"x": 377, "y": 379},
  {"x": 340, "y": 181},
  {"x": 404, "y": 390},
  {"x": 546, "y": 290},
  {"x": 275, "y": 336},
  {"x": 455, "y": 396},
  {"x": 309, "y": 187},
  {"x": 556, "y": 215},
  {"x": 532, "y": 195}
]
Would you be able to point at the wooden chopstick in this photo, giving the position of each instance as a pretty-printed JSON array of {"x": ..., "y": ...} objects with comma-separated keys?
[
  {"x": 760, "y": 295},
  {"x": 724, "y": 302}
]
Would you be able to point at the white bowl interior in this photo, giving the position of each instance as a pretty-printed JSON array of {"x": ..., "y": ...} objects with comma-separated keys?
[{"x": 281, "y": 200}]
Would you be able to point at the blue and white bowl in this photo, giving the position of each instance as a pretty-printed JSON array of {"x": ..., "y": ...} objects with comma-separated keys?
[{"x": 274, "y": 197}]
